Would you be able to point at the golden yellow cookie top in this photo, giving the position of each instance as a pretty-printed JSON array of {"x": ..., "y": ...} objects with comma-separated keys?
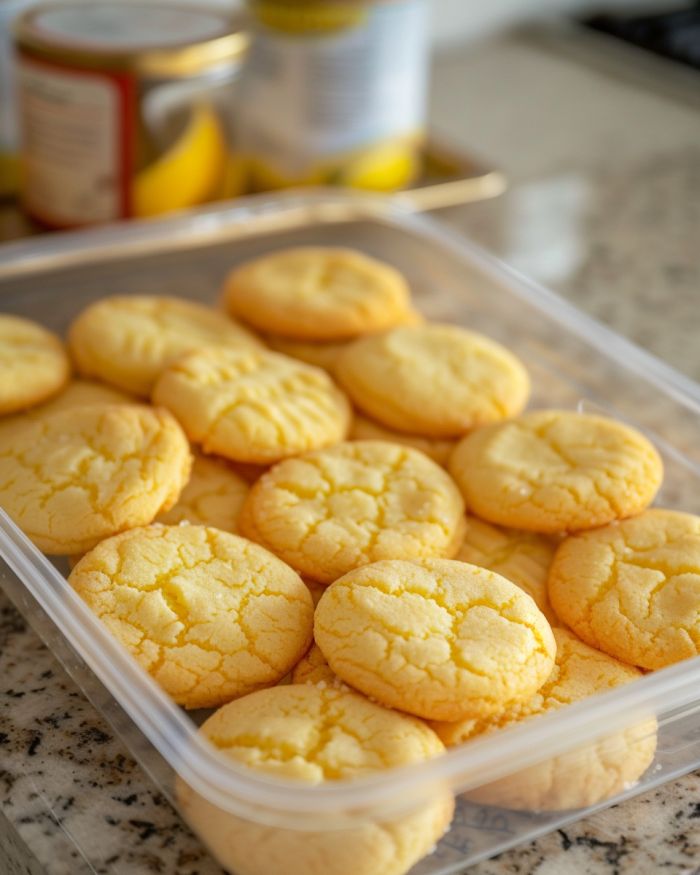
[
  {"x": 435, "y": 380},
  {"x": 78, "y": 393},
  {"x": 253, "y": 405},
  {"x": 33, "y": 364},
  {"x": 316, "y": 735},
  {"x": 213, "y": 496},
  {"x": 556, "y": 471},
  {"x": 128, "y": 340},
  {"x": 437, "y": 449},
  {"x": 313, "y": 669},
  {"x": 80, "y": 475},
  {"x": 579, "y": 672},
  {"x": 523, "y": 557},
  {"x": 437, "y": 638},
  {"x": 317, "y": 293},
  {"x": 210, "y": 615},
  {"x": 632, "y": 588},
  {"x": 332, "y": 510}
]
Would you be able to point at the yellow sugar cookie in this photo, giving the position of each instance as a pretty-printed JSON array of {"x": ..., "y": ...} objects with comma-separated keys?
[
  {"x": 83, "y": 474},
  {"x": 523, "y": 557},
  {"x": 213, "y": 496},
  {"x": 317, "y": 293},
  {"x": 253, "y": 405},
  {"x": 585, "y": 776},
  {"x": 437, "y": 638},
  {"x": 78, "y": 393},
  {"x": 333, "y": 510},
  {"x": 33, "y": 364},
  {"x": 127, "y": 341},
  {"x": 438, "y": 450},
  {"x": 318, "y": 736},
  {"x": 556, "y": 471},
  {"x": 209, "y": 615},
  {"x": 434, "y": 380},
  {"x": 632, "y": 589},
  {"x": 313, "y": 668}
]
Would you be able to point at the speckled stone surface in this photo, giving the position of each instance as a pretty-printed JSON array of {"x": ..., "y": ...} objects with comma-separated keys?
[{"x": 605, "y": 207}]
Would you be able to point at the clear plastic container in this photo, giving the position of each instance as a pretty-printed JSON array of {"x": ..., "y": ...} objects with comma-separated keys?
[{"x": 574, "y": 362}]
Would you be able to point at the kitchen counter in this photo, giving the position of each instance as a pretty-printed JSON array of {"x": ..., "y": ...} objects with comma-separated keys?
[{"x": 604, "y": 206}]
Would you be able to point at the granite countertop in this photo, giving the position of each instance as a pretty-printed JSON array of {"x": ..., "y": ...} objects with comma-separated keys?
[{"x": 604, "y": 206}]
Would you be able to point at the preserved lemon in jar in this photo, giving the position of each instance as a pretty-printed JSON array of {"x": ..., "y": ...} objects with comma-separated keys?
[{"x": 333, "y": 93}]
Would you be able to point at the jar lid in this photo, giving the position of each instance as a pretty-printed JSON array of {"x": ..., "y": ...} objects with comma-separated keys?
[{"x": 151, "y": 38}]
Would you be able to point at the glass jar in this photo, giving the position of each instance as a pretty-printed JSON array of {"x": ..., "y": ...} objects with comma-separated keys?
[
  {"x": 334, "y": 93},
  {"x": 123, "y": 109}
]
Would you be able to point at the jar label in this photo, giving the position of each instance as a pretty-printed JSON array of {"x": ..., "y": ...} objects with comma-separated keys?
[{"x": 75, "y": 143}]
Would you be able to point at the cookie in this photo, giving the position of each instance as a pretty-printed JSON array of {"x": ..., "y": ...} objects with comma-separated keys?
[
  {"x": 127, "y": 341},
  {"x": 333, "y": 510},
  {"x": 317, "y": 293},
  {"x": 438, "y": 381},
  {"x": 438, "y": 450},
  {"x": 632, "y": 589},
  {"x": 209, "y": 615},
  {"x": 81, "y": 475},
  {"x": 522, "y": 557},
  {"x": 556, "y": 471},
  {"x": 313, "y": 668},
  {"x": 253, "y": 405},
  {"x": 33, "y": 364},
  {"x": 78, "y": 393},
  {"x": 584, "y": 776},
  {"x": 318, "y": 737},
  {"x": 213, "y": 496},
  {"x": 436, "y": 638}
]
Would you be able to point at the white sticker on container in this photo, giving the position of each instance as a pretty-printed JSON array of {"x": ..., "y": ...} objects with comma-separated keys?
[{"x": 71, "y": 145}]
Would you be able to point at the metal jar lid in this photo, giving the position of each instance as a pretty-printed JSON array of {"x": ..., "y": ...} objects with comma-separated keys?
[{"x": 152, "y": 39}]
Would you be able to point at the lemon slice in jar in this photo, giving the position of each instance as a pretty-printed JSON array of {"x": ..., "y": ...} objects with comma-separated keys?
[
  {"x": 386, "y": 167},
  {"x": 189, "y": 173}
]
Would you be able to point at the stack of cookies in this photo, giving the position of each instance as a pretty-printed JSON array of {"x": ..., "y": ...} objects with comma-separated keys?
[{"x": 335, "y": 524}]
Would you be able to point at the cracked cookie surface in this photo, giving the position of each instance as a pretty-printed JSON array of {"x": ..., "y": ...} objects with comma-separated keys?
[
  {"x": 585, "y": 776},
  {"x": 434, "y": 380},
  {"x": 523, "y": 557},
  {"x": 128, "y": 340},
  {"x": 317, "y": 293},
  {"x": 437, "y": 638},
  {"x": 632, "y": 589},
  {"x": 209, "y": 615},
  {"x": 313, "y": 669},
  {"x": 254, "y": 405},
  {"x": 330, "y": 511},
  {"x": 213, "y": 496},
  {"x": 363, "y": 429},
  {"x": 318, "y": 736},
  {"x": 81, "y": 475},
  {"x": 33, "y": 364},
  {"x": 556, "y": 471}
]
